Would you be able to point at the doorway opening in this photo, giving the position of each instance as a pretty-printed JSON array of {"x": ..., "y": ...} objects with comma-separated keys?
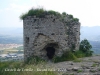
[{"x": 50, "y": 52}]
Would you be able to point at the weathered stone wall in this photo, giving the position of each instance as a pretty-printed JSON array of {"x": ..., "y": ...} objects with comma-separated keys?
[{"x": 40, "y": 33}]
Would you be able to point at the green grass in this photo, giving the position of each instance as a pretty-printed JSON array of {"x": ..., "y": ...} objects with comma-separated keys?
[
  {"x": 79, "y": 71},
  {"x": 35, "y": 60},
  {"x": 70, "y": 56},
  {"x": 25, "y": 69},
  {"x": 77, "y": 60},
  {"x": 79, "y": 54},
  {"x": 67, "y": 56},
  {"x": 94, "y": 65}
]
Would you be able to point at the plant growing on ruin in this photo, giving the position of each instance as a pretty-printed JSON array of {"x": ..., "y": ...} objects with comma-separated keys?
[{"x": 39, "y": 12}]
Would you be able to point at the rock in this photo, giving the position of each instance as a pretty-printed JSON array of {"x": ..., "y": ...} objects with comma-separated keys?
[
  {"x": 75, "y": 68},
  {"x": 71, "y": 64}
]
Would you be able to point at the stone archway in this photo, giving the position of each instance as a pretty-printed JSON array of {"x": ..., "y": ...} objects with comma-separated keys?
[
  {"x": 51, "y": 49},
  {"x": 50, "y": 52}
]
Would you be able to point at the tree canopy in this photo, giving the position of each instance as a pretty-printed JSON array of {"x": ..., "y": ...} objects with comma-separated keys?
[{"x": 85, "y": 47}]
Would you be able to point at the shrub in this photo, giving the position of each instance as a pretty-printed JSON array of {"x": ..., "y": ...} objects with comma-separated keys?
[
  {"x": 64, "y": 14},
  {"x": 39, "y": 12},
  {"x": 75, "y": 19},
  {"x": 70, "y": 16},
  {"x": 85, "y": 47},
  {"x": 67, "y": 56}
]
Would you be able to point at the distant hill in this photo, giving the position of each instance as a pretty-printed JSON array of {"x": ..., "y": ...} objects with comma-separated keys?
[
  {"x": 10, "y": 39},
  {"x": 11, "y": 35},
  {"x": 11, "y": 32},
  {"x": 15, "y": 35},
  {"x": 95, "y": 46},
  {"x": 90, "y": 33}
]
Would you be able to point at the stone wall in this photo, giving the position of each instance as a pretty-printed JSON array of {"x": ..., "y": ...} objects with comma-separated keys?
[{"x": 51, "y": 31}]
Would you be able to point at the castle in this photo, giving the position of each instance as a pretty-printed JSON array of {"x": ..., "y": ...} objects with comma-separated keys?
[{"x": 50, "y": 36}]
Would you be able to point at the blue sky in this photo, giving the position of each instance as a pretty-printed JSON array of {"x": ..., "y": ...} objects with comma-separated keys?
[{"x": 88, "y": 11}]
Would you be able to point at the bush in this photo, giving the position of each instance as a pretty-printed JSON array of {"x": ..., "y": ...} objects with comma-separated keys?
[
  {"x": 67, "y": 56},
  {"x": 39, "y": 12},
  {"x": 85, "y": 47},
  {"x": 75, "y": 19},
  {"x": 70, "y": 16},
  {"x": 64, "y": 14}
]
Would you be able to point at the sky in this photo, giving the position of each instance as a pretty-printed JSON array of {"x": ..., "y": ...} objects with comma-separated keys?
[{"x": 87, "y": 11}]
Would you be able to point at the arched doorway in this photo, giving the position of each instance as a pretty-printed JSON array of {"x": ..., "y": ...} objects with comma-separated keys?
[{"x": 50, "y": 52}]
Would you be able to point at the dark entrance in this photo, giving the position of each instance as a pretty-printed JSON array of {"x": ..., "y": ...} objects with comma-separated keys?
[{"x": 50, "y": 52}]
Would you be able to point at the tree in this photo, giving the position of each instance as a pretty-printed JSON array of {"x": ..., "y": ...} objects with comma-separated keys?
[{"x": 85, "y": 47}]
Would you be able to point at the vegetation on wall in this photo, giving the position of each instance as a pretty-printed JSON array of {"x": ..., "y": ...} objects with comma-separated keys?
[{"x": 40, "y": 12}]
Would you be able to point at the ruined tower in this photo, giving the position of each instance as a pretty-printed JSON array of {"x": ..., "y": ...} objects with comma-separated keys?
[{"x": 50, "y": 36}]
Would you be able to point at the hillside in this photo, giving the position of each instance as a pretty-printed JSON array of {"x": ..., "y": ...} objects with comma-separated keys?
[
  {"x": 82, "y": 66},
  {"x": 90, "y": 33}
]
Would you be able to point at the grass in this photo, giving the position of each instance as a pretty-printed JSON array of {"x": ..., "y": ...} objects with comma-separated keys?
[
  {"x": 79, "y": 71},
  {"x": 32, "y": 64},
  {"x": 67, "y": 56},
  {"x": 94, "y": 65},
  {"x": 77, "y": 60},
  {"x": 19, "y": 68}
]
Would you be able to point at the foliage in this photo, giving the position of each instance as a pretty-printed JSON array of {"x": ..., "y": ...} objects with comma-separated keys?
[
  {"x": 39, "y": 12},
  {"x": 51, "y": 12},
  {"x": 75, "y": 19},
  {"x": 70, "y": 16},
  {"x": 34, "y": 60},
  {"x": 79, "y": 71},
  {"x": 67, "y": 56},
  {"x": 79, "y": 54},
  {"x": 94, "y": 65},
  {"x": 77, "y": 60},
  {"x": 64, "y": 14},
  {"x": 83, "y": 51},
  {"x": 85, "y": 47},
  {"x": 9, "y": 65}
]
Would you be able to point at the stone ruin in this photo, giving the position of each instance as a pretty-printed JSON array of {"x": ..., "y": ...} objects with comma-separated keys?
[{"x": 50, "y": 36}]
